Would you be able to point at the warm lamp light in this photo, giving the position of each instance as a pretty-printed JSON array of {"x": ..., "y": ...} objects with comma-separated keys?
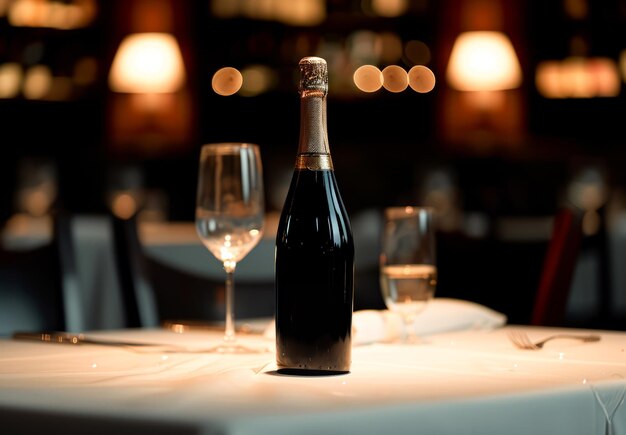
[
  {"x": 147, "y": 63},
  {"x": 483, "y": 61},
  {"x": 578, "y": 77}
]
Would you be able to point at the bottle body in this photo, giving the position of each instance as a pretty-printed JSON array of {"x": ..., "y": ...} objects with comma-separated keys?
[{"x": 314, "y": 265}]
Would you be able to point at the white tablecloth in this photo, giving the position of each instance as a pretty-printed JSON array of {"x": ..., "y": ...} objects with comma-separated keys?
[{"x": 471, "y": 382}]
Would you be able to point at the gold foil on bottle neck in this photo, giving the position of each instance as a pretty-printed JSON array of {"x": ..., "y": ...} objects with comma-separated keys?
[
  {"x": 314, "y": 162},
  {"x": 313, "y": 77},
  {"x": 313, "y": 152}
]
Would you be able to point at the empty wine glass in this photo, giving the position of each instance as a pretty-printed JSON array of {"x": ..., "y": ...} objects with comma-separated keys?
[
  {"x": 230, "y": 213},
  {"x": 408, "y": 273}
]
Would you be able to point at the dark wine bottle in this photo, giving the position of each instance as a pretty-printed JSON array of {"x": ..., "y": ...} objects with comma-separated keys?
[{"x": 314, "y": 248}]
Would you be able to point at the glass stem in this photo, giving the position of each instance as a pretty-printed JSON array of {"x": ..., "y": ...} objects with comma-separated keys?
[
  {"x": 229, "y": 333},
  {"x": 410, "y": 336}
]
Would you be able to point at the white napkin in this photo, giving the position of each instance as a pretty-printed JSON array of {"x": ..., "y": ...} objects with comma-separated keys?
[{"x": 440, "y": 315}]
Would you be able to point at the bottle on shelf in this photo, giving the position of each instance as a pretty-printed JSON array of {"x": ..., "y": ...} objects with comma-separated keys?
[{"x": 314, "y": 266}]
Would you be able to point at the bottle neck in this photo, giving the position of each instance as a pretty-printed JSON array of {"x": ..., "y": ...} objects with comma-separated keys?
[{"x": 313, "y": 150}]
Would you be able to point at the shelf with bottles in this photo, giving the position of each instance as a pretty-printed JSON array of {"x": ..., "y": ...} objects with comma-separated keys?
[
  {"x": 346, "y": 34},
  {"x": 49, "y": 51},
  {"x": 576, "y": 90}
]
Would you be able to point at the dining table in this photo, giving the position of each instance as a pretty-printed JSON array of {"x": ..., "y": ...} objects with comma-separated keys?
[{"x": 468, "y": 381}]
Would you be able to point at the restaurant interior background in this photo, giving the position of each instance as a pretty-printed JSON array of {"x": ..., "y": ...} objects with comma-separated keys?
[{"x": 496, "y": 161}]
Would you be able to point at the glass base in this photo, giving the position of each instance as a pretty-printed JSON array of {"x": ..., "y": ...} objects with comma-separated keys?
[
  {"x": 230, "y": 348},
  {"x": 310, "y": 372}
]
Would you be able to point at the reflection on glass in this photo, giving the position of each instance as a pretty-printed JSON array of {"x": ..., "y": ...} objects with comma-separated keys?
[
  {"x": 230, "y": 211},
  {"x": 408, "y": 273}
]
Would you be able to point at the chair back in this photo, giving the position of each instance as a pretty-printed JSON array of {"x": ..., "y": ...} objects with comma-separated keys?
[
  {"x": 36, "y": 282},
  {"x": 140, "y": 307},
  {"x": 155, "y": 292},
  {"x": 558, "y": 268}
]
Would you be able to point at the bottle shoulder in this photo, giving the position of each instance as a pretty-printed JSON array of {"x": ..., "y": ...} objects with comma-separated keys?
[
  {"x": 314, "y": 214},
  {"x": 314, "y": 185},
  {"x": 314, "y": 195}
]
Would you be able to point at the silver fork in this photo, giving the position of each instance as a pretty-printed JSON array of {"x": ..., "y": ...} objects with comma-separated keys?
[{"x": 521, "y": 340}]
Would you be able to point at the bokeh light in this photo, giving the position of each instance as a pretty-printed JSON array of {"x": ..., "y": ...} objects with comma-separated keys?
[
  {"x": 257, "y": 79},
  {"x": 37, "y": 82},
  {"x": 227, "y": 81},
  {"x": 368, "y": 78},
  {"x": 578, "y": 77},
  {"x": 362, "y": 46},
  {"x": 292, "y": 12},
  {"x": 417, "y": 52},
  {"x": 390, "y": 44},
  {"x": 85, "y": 71},
  {"x": 49, "y": 13},
  {"x": 395, "y": 78},
  {"x": 10, "y": 79},
  {"x": 421, "y": 79},
  {"x": 124, "y": 205},
  {"x": 389, "y": 8}
]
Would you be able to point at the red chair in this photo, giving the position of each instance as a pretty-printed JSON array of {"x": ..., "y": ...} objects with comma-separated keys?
[{"x": 558, "y": 268}]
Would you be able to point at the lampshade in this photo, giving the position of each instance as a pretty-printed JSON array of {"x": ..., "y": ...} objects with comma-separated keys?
[
  {"x": 147, "y": 63},
  {"x": 483, "y": 61}
]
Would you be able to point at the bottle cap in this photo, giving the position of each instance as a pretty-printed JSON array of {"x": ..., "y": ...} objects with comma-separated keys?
[{"x": 313, "y": 75}]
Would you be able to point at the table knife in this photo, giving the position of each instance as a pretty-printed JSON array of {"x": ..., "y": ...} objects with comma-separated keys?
[{"x": 70, "y": 338}]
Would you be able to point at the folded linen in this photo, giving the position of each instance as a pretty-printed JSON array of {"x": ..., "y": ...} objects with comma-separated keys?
[{"x": 440, "y": 315}]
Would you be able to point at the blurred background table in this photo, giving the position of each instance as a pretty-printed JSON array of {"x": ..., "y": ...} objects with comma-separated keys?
[
  {"x": 178, "y": 244},
  {"x": 99, "y": 305}
]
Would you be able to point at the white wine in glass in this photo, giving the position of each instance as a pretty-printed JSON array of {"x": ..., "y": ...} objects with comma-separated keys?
[
  {"x": 408, "y": 273},
  {"x": 230, "y": 210}
]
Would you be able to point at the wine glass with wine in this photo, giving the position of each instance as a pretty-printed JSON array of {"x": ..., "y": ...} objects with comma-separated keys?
[
  {"x": 408, "y": 272},
  {"x": 230, "y": 209}
]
